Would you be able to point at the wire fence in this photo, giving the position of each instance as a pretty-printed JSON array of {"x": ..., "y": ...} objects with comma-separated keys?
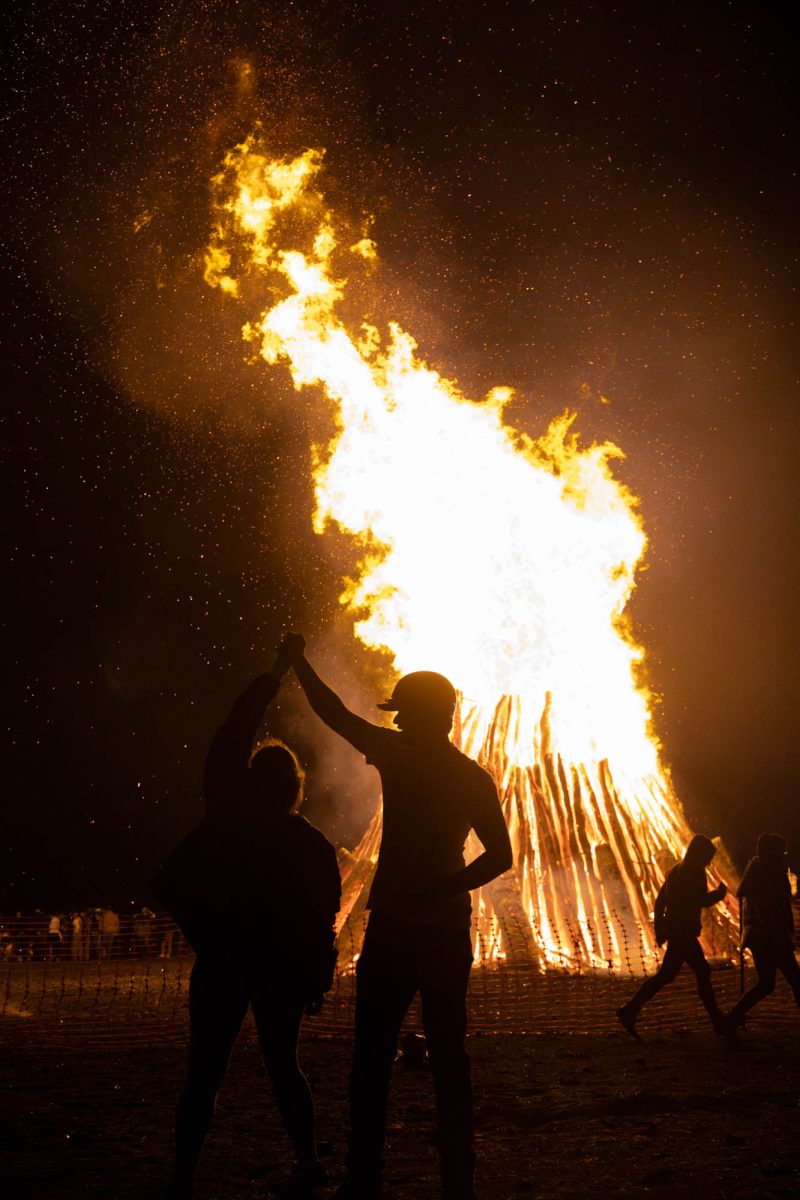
[{"x": 130, "y": 988}]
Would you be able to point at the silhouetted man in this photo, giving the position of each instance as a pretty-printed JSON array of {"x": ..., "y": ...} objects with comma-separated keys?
[
  {"x": 768, "y": 923},
  {"x": 255, "y": 889},
  {"x": 418, "y": 936},
  {"x": 679, "y": 903}
]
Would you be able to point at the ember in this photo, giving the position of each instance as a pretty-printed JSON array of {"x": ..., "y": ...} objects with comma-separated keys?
[{"x": 507, "y": 567}]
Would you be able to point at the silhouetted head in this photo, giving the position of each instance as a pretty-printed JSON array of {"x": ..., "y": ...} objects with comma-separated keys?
[
  {"x": 423, "y": 702},
  {"x": 771, "y": 849},
  {"x": 275, "y": 781},
  {"x": 700, "y": 851}
]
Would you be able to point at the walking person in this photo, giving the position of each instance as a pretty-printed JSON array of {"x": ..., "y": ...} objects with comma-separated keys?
[
  {"x": 683, "y": 896},
  {"x": 255, "y": 889},
  {"x": 418, "y": 934},
  {"x": 767, "y": 924}
]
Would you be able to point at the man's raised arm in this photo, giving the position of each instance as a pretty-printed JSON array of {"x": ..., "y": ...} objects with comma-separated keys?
[{"x": 324, "y": 701}]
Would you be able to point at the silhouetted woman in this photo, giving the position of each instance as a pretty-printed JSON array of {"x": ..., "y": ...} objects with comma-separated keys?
[
  {"x": 767, "y": 923},
  {"x": 255, "y": 889},
  {"x": 682, "y": 898}
]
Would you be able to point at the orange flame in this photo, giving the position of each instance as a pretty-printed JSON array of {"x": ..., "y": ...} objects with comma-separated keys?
[{"x": 505, "y": 562}]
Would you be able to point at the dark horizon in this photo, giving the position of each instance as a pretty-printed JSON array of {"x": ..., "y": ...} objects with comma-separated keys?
[{"x": 597, "y": 209}]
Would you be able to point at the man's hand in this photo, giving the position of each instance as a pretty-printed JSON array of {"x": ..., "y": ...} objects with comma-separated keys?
[{"x": 720, "y": 892}]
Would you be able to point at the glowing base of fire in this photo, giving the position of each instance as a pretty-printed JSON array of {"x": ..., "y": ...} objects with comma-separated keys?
[{"x": 590, "y": 854}]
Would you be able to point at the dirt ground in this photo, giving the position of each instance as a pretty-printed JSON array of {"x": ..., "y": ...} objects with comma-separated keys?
[{"x": 679, "y": 1115}]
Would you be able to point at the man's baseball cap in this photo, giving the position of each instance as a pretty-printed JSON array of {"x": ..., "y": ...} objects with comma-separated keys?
[
  {"x": 771, "y": 845},
  {"x": 421, "y": 689}
]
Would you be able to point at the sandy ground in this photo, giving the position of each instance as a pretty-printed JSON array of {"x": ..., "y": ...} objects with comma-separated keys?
[{"x": 679, "y": 1115}]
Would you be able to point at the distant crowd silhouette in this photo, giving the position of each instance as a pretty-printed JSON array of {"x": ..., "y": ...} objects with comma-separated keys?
[
  {"x": 89, "y": 934},
  {"x": 254, "y": 854}
]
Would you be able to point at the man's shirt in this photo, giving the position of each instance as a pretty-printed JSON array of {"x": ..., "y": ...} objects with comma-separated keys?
[{"x": 433, "y": 795}]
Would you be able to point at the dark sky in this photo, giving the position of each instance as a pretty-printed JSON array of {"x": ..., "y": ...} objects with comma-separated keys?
[{"x": 577, "y": 200}]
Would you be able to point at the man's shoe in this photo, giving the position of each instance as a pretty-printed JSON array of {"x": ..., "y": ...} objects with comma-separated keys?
[
  {"x": 357, "y": 1185},
  {"x": 721, "y": 1024},
  {"x": 457, "y": 1177},
  {"x": 725, "y": 1027},
  {"x": 180, "y": 1187},
  {"x": 304, "y": 1179},
  {"x": 627, "y": 1019}
]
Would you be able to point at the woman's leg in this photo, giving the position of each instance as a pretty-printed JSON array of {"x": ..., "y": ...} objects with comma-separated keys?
[
  {"x": 278, "y": 1020},
  {"x": 217, "y": 1005}
]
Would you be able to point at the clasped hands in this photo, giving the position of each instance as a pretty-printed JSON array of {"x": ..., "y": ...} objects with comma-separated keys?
[{"x": 292, "y": 648}]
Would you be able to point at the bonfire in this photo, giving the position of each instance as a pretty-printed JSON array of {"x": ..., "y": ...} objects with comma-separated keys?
[{"x": 504, "y": 561}]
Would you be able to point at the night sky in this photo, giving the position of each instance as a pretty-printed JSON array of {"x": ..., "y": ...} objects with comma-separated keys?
[{"x": 593, "y": 203}]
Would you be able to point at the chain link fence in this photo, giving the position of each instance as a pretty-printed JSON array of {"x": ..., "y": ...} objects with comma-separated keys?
[{"x": 125, "y": 983}]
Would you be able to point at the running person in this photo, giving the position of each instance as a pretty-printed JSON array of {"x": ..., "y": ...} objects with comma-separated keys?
[
  {"x": 683, "y": 896},
  {"x": 768, "y": 923}
]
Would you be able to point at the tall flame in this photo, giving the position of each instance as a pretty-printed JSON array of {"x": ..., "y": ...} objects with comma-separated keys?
[{"x": 505, "y": 562}]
